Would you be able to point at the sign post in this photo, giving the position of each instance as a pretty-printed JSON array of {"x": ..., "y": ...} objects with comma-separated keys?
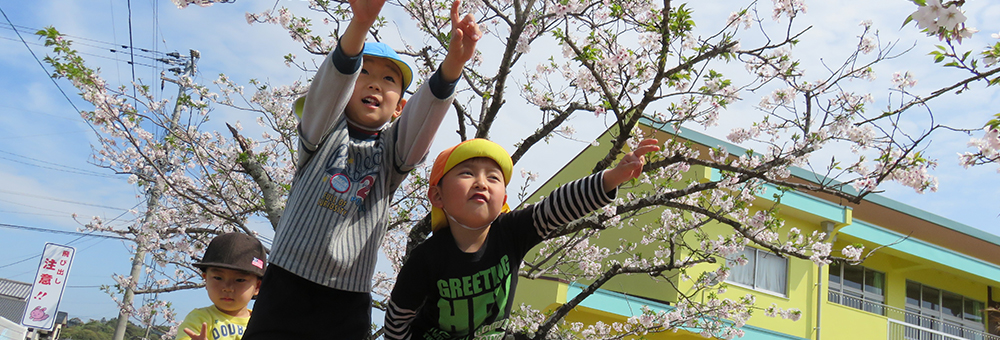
[{"x": 47, "y": 289}]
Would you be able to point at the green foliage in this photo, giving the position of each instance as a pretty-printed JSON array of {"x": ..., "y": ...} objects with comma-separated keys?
[
  {"x": 104, "y": 329},
  {"x": 995, "y": 122},
  {"x": 680, "y": 20}
]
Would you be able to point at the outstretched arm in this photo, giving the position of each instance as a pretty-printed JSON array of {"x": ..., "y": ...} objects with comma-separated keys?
[
  {"x": 364, "y": 13},
  {"x": 465, "y": 34},
  {"x": 423, "y": 114},
  {"x": 578, "y": 198},
  {"x": 333, "y": 83},
  {"x": 630, "y": 166}
]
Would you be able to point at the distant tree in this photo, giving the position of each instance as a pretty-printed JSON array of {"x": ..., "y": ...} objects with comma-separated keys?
[{"x": 103, "y": 329}]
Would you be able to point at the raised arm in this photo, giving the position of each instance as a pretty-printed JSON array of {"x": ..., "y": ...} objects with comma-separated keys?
[
  {"x": 578, "y": 198},
  {"x": 424, "y": 112},
  {"x": 465, "y": 34},
  {"x": 630, "y": 166},
  {"x": 363, "y": 15},
  {"x": 333, "y": 83}
]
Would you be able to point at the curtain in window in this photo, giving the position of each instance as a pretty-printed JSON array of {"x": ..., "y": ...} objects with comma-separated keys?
[
  {"x": 874, "y": 283},
  {"x": 974, "y": 310},
  {"x": 951, "y": 305},
  {"x": 743, "y": 274},
  {"x": 771, "y": 272}
]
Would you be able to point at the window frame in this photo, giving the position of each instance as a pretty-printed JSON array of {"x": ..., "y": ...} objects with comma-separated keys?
[
  {"x": 756, "y": 285},
  {"x": 939, "y": 314},
  {"x": 863, "y": 293}
]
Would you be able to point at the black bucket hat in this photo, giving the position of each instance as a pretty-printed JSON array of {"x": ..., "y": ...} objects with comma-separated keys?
[{"x": 237, "y": 251}]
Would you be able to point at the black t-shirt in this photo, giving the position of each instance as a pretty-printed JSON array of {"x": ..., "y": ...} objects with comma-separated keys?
[{"x": 442, "y": 292}]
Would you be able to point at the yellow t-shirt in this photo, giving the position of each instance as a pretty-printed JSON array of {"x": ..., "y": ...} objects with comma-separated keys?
[{"x": 221, "y": 326}]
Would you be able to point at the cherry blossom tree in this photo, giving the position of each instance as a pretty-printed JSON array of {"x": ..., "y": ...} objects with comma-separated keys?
[{"x": 620, "y": 61}]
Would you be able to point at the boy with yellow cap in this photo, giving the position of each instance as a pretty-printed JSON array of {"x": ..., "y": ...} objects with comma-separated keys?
[
  {"x": 358, "y": 141},
  {"x": 459, "y": 283}
]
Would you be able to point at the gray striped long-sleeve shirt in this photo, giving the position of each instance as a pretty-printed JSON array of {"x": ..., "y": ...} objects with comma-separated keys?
[{"x": 337, "y": 209}]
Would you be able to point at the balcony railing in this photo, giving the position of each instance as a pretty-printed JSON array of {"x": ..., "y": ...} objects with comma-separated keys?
[
  {"x": 899, "y": 330},
  {"x": 856, "y": 302},
  {"x": 906, "y": 325}
]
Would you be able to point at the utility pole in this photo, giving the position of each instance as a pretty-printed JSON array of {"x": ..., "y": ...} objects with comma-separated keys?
[{"x": 153, "y": 193}]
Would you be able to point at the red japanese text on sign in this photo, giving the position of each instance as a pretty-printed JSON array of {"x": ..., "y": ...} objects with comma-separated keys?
[
  {"x": 45, "y": 279},
  {"x": 49, "y": 285}
]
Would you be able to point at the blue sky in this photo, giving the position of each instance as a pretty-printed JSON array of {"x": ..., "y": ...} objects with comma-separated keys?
[{"x": 45, "y": 176}]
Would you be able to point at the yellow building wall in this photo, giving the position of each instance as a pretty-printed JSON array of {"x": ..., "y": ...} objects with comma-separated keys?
[
  {"x": 899, "y": 267},
  {"x": 803, "y": 276},
  {"x": 842, "y": 322}
]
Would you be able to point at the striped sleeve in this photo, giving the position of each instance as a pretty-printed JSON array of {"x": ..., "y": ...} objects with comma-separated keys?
[
  {"x": 571, "y": 201},
  {"x": 397, "y": 322}
]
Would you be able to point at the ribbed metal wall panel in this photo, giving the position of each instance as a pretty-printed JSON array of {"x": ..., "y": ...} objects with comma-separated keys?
[
  {"x": 12, "y": 309},
  {"x": 15, "y": 289}
]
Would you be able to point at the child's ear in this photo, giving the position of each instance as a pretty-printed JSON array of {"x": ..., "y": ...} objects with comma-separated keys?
[
  {"x": 399, "y": 108},
  {"x": 434, "y": 195},
  {"x": 256, "y": 287}
]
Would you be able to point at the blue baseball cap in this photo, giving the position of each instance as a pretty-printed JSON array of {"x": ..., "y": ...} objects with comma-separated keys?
[{"x": 381, "y": 50}]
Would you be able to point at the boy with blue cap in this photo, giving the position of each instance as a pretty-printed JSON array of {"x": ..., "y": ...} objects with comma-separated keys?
[
  {"x": 353, "y": 155},
  {"x": 459, "y": 283}
]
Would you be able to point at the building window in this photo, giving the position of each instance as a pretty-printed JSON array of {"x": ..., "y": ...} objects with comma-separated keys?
[
  {"x": 858, "y": 287},
  {"x": 942, "y": 310},
  {"x": 763, "y": 271}
]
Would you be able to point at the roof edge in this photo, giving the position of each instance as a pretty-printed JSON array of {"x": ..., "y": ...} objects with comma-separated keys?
[{"x": 813, "y": 177}]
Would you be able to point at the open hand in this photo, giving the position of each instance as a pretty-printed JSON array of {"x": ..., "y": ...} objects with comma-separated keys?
[
  {"x": 465, "y": 34},
  {"x": 630, "y": 165},
  {"x": 365, "y": 11},
  {"x": 198, "y": 336}
]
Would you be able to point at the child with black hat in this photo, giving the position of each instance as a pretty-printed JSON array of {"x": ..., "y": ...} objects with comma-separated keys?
[{"x": 232, "y": 268}]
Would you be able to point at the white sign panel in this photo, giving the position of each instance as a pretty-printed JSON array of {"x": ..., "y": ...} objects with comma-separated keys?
[
  {"x": 11, "y": 331},
  {"x": 47, "y": 289}
]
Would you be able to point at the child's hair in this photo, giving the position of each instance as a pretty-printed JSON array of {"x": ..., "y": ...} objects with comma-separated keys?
[
  {"x": 237, "y": 251},
  {"x": 450, "y": 157}
]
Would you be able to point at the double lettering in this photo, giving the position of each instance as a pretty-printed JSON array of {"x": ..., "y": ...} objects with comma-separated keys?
[{"x": 478, "y": 296}]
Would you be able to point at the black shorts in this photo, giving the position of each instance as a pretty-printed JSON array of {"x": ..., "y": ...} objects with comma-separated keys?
[{"x": 291, "y": 307}]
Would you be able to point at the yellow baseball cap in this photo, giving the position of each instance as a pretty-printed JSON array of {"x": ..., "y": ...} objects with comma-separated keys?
[{"x": 469, "y": 149}]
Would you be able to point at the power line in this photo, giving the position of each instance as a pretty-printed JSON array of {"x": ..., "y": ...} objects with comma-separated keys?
[
  {"x": 34, "y": 207},
  {"x": 67, "y": 169},
  {"x": 76, "y": 239},
  {"x": 56, "y": 231},
  {"x": 60, "y": 200},
  {"x": 51, "y": 133},
  {"x": 114, "y": 36},
  {"x": 112, "y": 49},
  {"x": 131, "y": 50},
  {"x": 21, "y": 261},
  {"x": 39, "y": 112},
  {"x": 77, "y": 38},
  {"x": 43, "y": 66},
  {"x": 156, "y": 27},
  {"x": 94, "y": 55},
  {"x": 28, "y": 213}
]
